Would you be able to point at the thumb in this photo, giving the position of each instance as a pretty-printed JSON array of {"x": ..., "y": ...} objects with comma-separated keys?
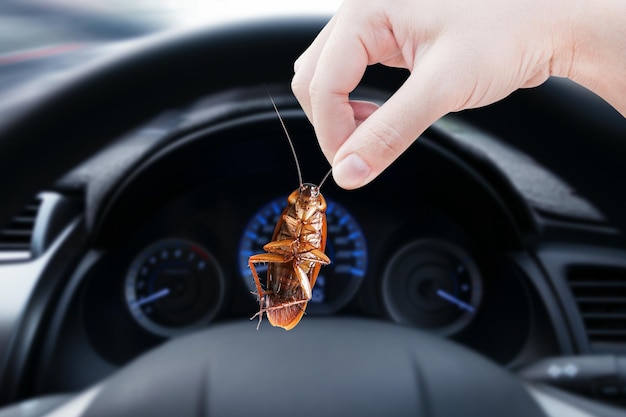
[{"x": 383, "y": 136}]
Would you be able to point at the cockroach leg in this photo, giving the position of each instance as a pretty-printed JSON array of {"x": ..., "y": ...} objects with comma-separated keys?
[{"x": 260, "y": 312}]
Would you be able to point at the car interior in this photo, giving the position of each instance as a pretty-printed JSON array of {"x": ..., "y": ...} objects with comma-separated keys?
[{"x": 483, "y": 273}]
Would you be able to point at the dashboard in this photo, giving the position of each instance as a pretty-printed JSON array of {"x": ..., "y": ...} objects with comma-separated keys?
[
  {"x": 467, "y": 237},
  {"x": 401, "y": 250},
  {"x": 429, "y": 245}
]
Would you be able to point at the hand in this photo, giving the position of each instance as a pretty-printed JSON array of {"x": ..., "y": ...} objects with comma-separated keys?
[{"x": 460, "y": 54}]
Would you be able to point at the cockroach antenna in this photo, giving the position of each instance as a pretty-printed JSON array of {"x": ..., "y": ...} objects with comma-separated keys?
[
  {"x": 319, "y": 187},
  {"x": 293, "y": 150}
]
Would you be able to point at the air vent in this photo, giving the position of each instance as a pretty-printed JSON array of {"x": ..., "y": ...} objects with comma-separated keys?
[
  {"x": 600, "y": 293},
  {"x": 16, "y": 237}
]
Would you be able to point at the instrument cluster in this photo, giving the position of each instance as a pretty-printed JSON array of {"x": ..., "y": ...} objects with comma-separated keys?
[
  {"x": 425, "y": 245},
  {"x": 187, "y": 268}
]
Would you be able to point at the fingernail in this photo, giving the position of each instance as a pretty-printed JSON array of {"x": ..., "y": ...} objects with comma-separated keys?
[{"x": 351, "y": 172}]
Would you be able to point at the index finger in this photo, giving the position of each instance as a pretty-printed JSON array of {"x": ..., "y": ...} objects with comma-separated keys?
[
  {"x": 325, "y": 75},
  {"x": 341, "y": 65}
]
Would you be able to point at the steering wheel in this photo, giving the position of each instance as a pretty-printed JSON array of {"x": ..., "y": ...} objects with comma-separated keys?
[{"x": 324, "y": 367}]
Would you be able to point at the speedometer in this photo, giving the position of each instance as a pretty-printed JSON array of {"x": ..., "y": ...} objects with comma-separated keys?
[
  {"x": 336, "y": 283},
  {"x": 173, "y": 286}
]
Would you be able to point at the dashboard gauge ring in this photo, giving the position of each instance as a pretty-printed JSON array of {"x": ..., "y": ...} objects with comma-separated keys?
[
  {"x": 173, "y": 286},
  {"x": 432, "y": 284}
]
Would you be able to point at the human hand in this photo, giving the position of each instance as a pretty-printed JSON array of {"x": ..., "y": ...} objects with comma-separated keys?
[{"x": 460, "y": 54}]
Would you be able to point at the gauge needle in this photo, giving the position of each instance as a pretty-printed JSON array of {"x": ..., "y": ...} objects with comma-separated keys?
[
  {"x": 151, "y": 297},
  {"x": 456, "y": 301}
]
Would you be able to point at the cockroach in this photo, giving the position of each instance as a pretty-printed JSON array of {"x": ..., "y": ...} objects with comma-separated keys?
[{"x": 295, "y": 253}]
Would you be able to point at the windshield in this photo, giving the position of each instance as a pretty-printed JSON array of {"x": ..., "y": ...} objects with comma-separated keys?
[{"x": 32, "y": 24}]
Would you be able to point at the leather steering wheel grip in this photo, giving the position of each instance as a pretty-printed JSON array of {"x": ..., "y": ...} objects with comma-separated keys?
[{"x": 325, "y": 367}]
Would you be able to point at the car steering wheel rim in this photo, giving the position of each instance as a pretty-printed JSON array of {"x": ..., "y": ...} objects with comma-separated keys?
[
  {"x": 324, "y": 367},
  {"x": 138, "y": 79}
]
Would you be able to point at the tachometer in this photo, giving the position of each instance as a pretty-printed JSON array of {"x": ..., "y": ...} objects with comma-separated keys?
[
  {"x": 432, "y": 284},
  {"x": 338, "y": 282},
  {"x": 173, "y": 286}
]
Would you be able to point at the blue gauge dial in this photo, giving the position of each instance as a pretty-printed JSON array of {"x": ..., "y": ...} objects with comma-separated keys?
[
  {"x": 173, "y": 286},
  {"x": 336, "y": 283}
]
